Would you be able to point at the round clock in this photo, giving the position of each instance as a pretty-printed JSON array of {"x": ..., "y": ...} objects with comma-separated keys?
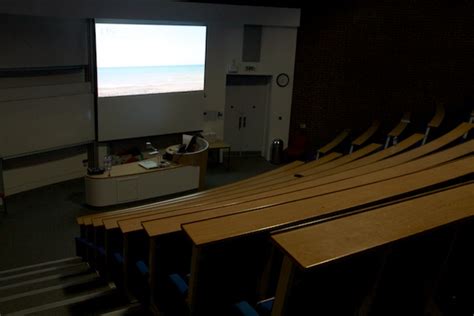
[{"x": 282, "y": 80}]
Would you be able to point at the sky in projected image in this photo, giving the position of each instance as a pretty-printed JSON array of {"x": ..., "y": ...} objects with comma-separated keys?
[{"x": 145, "y": 59}]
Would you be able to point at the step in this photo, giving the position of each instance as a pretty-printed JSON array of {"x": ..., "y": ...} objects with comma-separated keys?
[
  {"x": 23, "y": 276},
  {"x": 52, "y": 295},
  {"x": 107, "y": 302},
  {"x": 36, "y": 286},
  {"x": 40, "y": 266}
]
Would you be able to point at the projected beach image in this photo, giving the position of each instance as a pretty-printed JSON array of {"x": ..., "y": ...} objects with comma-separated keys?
[{"x": 146, "y": 59}]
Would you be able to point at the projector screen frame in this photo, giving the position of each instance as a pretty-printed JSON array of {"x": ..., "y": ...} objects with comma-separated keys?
[
  {"x": 109, "y": 119},
  {"x": 149, "y": 22}
]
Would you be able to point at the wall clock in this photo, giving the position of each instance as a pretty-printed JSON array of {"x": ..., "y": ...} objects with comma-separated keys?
[{"x": 282, "y": 80}]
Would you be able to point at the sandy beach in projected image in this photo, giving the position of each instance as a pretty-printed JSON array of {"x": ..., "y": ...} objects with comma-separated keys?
[{"x": 121, "y": 81}]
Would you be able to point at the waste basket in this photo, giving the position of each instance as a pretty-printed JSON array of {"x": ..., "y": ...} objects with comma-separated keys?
[{"x": 277, "y": 152}]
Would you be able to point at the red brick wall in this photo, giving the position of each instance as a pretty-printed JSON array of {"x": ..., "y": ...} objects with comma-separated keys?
[{"x": 375, "y": 59}]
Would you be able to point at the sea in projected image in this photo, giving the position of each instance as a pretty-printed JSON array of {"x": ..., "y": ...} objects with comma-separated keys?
[{"x": 119, "y": 81}]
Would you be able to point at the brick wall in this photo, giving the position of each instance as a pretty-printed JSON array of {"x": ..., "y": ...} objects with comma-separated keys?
[{"x": 362, "y": 60}]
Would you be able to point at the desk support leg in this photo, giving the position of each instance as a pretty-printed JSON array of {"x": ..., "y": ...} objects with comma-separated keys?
[
  {"x": 284, "y": 287},
  {"x": 3, "y": 202}
]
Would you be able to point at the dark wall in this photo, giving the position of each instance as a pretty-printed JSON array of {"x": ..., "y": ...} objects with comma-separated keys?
[{"x": 360, "y": 60}]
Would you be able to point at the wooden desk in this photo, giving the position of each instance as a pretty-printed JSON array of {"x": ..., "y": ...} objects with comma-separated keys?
[
  {"x": 220, "y": 145},
  {"x": 343, "y": 160},
  {"x": 249, "y": 228},
  {"x": 215, "y": 196},
  {"x": 367, "y": 134},
  {"x": 322, "y": 244},
  {"x": 298, "y": 192},
  {"x": 435, "y": 121},
  {"x": 133, "y": 222},
  {"x": 222, "y": 228},
  {"x": 333, "y": 144},
  {"x": 131, "y": 182},
  {"x": 87, "y": 219},
  {"x": 345, "y": 175},
  {"x": 381, "y": 155},
  {"x": 398, "y": 130},
  {"x": 136, "y": 219}
]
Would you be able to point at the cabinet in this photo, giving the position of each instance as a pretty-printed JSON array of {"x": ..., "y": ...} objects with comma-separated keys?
[{"x": 130, "y": 182}]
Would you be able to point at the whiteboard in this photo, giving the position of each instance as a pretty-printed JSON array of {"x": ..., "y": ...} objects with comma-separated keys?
[{"x": 33, "y": 125}]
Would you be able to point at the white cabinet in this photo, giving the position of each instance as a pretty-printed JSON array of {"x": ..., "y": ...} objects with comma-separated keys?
[
  {"x": 246, "y": 110},
  {"x": 130, "y": 182}
]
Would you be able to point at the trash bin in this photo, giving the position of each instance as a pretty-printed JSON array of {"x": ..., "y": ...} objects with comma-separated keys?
[{"x": 277, "y": 152}]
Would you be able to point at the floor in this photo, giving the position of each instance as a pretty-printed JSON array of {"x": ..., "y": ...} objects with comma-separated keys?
[{"x": 41, "y": 224}]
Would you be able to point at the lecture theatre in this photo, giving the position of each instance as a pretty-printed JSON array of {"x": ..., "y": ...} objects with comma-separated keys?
[{"x": 237, "y": 157}]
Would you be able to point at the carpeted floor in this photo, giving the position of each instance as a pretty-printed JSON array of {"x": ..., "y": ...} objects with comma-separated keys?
[{"x": 41, "y": 224}]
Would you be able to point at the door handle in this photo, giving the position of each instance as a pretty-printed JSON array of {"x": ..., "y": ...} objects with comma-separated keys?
[
  {"x": 245, "y": 121},
  {"x": 240, "y": 122}
]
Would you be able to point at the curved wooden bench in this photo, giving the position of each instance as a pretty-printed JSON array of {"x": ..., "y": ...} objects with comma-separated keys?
[
  {"x": 133, "y": 223},
  {"x": 212, "y": 197},
  {"x": 206, "y": 235},
  {"x": 317, "y": 246},
  {"x": 435, "y": 121},
  {"x": 210, "y": 194},
  {"x": 111, "y": 222},
  {"x": 433, "y": 145},
  {"x": 398, "y": 130},
  {"x": 471, "y": 120},
  {"x": 381, "y": 155},
  {"x": 364, "y": 137},
  {"x": 86, "y": 218},
  {"x": 332, "y": 144}
]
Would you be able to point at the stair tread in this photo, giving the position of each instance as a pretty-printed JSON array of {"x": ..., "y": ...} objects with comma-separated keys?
[
  {"x": 94, "y": 306},
  {"x": 39, "y": 266},
  {"x": 51, "y": 296},
  {"x": 42, "y": 284},
  {"x": 46, "y": 271}
]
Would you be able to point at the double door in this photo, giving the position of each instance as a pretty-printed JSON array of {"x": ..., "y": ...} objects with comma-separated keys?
[{"x": 245, "y": 113}]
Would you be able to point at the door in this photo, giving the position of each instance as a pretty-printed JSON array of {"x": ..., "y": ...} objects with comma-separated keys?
[{"x": 246, "y": 112}]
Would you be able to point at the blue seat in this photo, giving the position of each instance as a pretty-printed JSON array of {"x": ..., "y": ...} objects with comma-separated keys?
[
  {"x": 118, "y": 258},
  {"x": 179, "y": 283},
  {"x": 142, "y": 268},
  {"x": 244, "y": 309}
]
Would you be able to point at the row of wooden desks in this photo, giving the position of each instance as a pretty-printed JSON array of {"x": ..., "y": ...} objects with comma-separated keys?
[
  {"x": 222, "y": 244},
  {"x": 256, "y": 207},
  {"x": 305, "y": 170},
  {"x": 312, "y": 249}
]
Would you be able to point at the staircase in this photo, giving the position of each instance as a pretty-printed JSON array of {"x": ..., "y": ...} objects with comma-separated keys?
[{"x": 61, "y": 287}]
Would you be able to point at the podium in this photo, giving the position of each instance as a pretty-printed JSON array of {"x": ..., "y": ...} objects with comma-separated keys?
[
  {"x": 131, "y": 182},
  {"x": 196, "y": 158}
]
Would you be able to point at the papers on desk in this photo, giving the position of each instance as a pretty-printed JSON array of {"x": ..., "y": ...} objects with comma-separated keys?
[
  {"x": 148, "y": 164},
  {"x": 151, "y": 164}
]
